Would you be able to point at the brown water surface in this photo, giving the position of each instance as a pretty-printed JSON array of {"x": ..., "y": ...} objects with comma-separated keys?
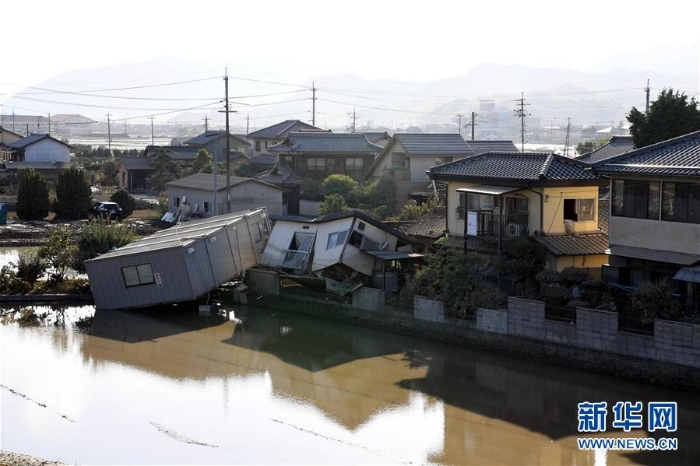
[{"x": 256, "y": 387}]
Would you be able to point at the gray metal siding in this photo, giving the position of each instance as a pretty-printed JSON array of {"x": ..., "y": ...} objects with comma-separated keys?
[
  {"x": 199, "y": 268},
  {"x": 222, "y": 260},
  {"x": 110, "y": 292}
]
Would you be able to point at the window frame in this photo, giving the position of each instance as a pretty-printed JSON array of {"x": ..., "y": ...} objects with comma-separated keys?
[{"x": 139, "y": 273}]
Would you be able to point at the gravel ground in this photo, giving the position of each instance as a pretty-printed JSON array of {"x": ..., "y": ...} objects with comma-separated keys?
[{"x": 8, "y": 458}]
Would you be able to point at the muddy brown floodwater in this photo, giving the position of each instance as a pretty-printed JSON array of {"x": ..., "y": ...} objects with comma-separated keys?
[{"x": 254, "y": 387}]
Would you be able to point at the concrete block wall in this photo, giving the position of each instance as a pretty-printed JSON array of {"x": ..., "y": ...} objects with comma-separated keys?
[
  {"x": 427, "y": 309},
  {"x": 263, "y": 281},
  {"x": 677, "y": 342},
  {"x": 526, "y": 318},
  {"x": 596, "y": 329},
  {"x": 368, "y": 299},
  {"x": 492, "y": 320}
]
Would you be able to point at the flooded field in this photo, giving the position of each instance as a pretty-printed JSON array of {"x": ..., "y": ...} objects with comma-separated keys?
[{"x": 255, "y": 387}]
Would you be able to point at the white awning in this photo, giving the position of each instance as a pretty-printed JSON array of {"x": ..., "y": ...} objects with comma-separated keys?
[
  {"x": 489, "y": 190},
  {"x": 688, "y": 274}
]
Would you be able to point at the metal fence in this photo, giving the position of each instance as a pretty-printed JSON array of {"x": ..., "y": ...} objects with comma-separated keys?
[
  {"x": 631, "y": 325},
  {"x": 560, "y": 313}
]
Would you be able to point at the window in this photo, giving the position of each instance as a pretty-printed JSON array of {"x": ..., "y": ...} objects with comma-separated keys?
[
  {"x": 336, "y": 239},
  {"x": 361, "y": 226},
  {"x": 361, "y": 241},
  {"x": 579, "y": 210},
  {"x": 176, "y": 202},
  {"x": 136, "y": 275},
  {"x": 206, "y": 207},
  {"x": 635, "y": 199},
  {"x": 680, "y": 202},
  {"x": 316, "y": 164},
  {"x": 354, "y": 164},
  {"x": 257, "y": 146}
]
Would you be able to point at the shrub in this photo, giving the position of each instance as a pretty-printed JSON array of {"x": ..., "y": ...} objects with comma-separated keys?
[
  {"x": 126, "y": 201},
  {"x": 381, "y": 192},
  {"x": 10, "y": 284},
  {"x": 59, "y": 252},
  {"x": 311, "y": 190},
  {"x": 574, "y": 275},
  {"x": 341, "y": 185},
  {"x": 653, "y": 300},
  {"x": 332, "y": 204},
  {"x": 32, "y": 196},
  {"x": 30, "y": 268},
  {"x": 98, "y": 238},
  {"x": 162, "y": 207}
]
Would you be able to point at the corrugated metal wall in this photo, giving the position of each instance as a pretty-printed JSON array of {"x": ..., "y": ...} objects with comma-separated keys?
[{"x": 110, "y": 292}]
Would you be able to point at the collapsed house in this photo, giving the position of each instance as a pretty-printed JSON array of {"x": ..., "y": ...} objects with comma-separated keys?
[
  {"x": 343, "y": 251},
  {"x": 181, "y": 263}
]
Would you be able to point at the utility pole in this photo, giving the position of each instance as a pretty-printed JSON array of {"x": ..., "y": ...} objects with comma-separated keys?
[
  {"x": 38, "y": 124},
  {"x": 566, "y": 144},
  {"x": 354, "y": 119},
  {"x": 206, "y": 123},
  {"x": 228, "y": 146},
  {"x": 647, "y": 89},
  {"x": 459, "y": 125},
  {"x": 152, "y": 137},
  {"x": 13, "y": 121},
  {"x": 473, "y": 123},
  {"x": 49, "y": 133},
  {"x": 313, "y": 105},
  {"x": 109, "y": 135},
  {"x": 521, "y": 113},
  {"x": 247, "y": 124}
]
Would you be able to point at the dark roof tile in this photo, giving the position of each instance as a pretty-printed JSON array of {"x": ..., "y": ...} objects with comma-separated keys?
[
  {"x": 326, "y": 143},
  {"x": 574, "y": 245},
  {"x": 281, "y": 130},
  {"x": 618, "y": 145}
]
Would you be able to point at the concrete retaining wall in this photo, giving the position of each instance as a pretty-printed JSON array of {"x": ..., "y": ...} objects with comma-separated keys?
[{"x": 427, "y": 309}]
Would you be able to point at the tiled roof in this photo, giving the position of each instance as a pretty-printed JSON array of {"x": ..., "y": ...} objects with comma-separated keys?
[
  {"x": 434, "y": 144},
  {"x": 675, "y": 157},
  {"x": 618, "y": 145},
  {"x": 574, "y": 245},
  {"x": 263, "y": 159},
  {"x": 31, "y": 139},
  {"x": 527, "y": 166},
  {"x": 480, "y": 147},
  {"x": 136, "y": 163},
  {"x": 175, "y": 152},
  {"x": 281, "y": 130},
  {"x": 326, "y": 143},
  {"x": 474, "y": 244},
  {"x": 374, "y": 136},
  {"x": 39, "y": 165},
  {"x": 205, "y": 182},
  {"x": 432, "y": 225},
  {"x": 209, "y": 136}
]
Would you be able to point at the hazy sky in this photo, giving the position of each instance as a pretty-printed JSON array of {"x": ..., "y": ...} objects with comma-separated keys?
[
  {"x": 295, "y": 41},
  {"x": 419, "y": 40}
]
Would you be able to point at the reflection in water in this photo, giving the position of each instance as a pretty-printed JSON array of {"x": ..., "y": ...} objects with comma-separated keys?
[{"x": 263, "y": 387}]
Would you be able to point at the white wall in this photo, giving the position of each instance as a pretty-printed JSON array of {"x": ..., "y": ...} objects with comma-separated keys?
[
  {"x": 326, "y": 257},
  {"x": 280, "y": 238},
  {"x": 47, "y": 150}
]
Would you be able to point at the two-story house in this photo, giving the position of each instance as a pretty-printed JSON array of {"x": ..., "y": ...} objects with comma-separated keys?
[
  {"x": 655, "y": 215},
  {"x": 498, "y": 195},
  {"x": 43, "y": 153},
  {"x": 318, "y": 154},
  {"x": 406, "y": 157},
  {"x": 265, "y": 138}
]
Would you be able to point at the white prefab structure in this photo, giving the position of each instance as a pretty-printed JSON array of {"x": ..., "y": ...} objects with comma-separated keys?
[
  {"x": 246, "y": 193},
  {"x": 348, "y": 239},
  {"x": 179, "y": 264}
]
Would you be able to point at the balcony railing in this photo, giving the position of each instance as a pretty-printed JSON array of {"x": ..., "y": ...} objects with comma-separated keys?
[
  {"x": 487, "y": 223},
  {"x": 397, "y": 171},
  {"x": 297, "y": 260}
]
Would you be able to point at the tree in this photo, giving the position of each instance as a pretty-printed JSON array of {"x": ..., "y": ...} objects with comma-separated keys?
[
  {"x": 98, "y": 238},
  {"x": 125, "y": 200},
  {"x": 165, "y": 170},
  {"x": 670, "y": 115},
  {"x": 339, "y": 184},
  {"x": 32, "y": 196},
  {"x": 332, "y": 204},
  {"x": 73, "y": 194},
  {"x": 59, "y": 252},
  {"x": 380, "y": 195},
  {"x": 108, "y": 172},
  {"x": 586, "y": 147},
  {"x": 203, "y": 163}
]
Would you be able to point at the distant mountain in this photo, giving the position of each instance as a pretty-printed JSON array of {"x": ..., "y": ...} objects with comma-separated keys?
[{"x": 604, "y": 95}]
